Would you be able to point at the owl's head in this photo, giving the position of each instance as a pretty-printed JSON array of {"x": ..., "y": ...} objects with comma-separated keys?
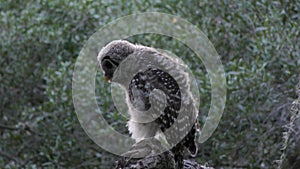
[{"x": 112, "y": 55}]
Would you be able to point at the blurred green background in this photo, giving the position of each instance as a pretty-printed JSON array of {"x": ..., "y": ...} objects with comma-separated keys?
[{"x": 258, "y": 42}]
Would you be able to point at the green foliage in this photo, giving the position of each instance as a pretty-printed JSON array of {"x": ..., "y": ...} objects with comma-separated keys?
[{"x": 258, "y": 42}]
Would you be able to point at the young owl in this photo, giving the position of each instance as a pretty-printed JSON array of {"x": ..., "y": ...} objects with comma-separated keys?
[{"x": 158, "y": 94}]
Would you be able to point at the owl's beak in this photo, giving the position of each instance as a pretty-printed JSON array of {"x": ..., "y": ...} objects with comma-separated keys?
[{"x": 107, "y": 79}]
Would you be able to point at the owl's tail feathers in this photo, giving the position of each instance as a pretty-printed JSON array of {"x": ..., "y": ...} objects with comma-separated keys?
[
  {"x": 190, "y": 141},
  {"x": 193, "y": 149}
]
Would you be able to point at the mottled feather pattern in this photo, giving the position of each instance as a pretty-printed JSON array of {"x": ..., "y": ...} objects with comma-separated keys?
[{"x": 152, "y": 79}]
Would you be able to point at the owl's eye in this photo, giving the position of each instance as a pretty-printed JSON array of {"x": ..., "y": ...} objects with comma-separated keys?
[{"x": 107, "y": 64}]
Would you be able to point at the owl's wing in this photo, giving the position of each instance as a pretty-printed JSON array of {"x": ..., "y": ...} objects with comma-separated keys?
[
  {"x": 143, "y": 93},
  {"x": 157, "y": 72}
]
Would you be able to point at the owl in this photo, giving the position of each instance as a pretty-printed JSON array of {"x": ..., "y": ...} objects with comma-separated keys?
[{"x": 158, "y": 94}]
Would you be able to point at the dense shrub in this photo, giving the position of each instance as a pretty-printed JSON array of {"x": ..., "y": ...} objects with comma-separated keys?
[{"x": 258, "y": 42}]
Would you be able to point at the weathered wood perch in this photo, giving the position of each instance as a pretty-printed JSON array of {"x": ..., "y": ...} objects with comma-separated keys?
[
  {"x": 162, "y": 161},
  {"x": 159, "y": 161}
]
